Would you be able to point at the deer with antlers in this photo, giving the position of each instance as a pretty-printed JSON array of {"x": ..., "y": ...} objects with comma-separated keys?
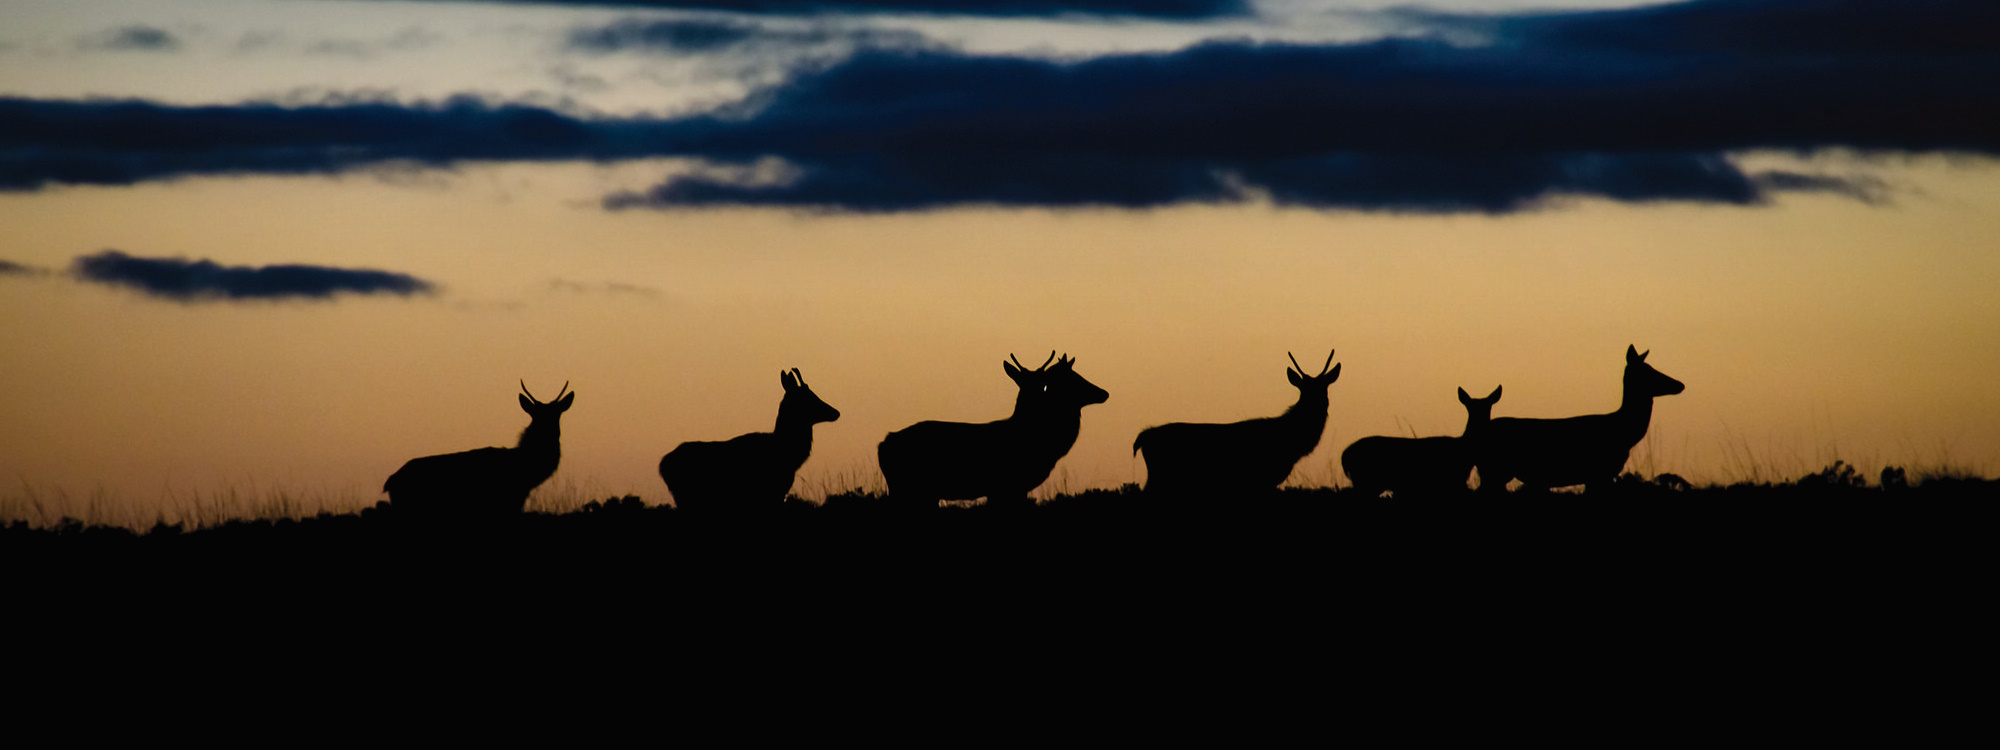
[
  {"x": 753, "y": 471},
  {"x": 1000, "y": 461},
  {"x": 486, "y": 482},
  {"x": 1419, "y": 465},
  {"x": 1194, "y": 459},
  {"x": 1545, "y": 453}
]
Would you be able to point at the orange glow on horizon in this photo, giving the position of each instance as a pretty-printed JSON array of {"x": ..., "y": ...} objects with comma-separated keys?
[{"x": 1807, "y": 331}]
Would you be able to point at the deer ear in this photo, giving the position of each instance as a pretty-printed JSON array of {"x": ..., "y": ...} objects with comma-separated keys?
[
  {"x": 785, "y": 379},
  {"x": 1333, "y": 374},
  {"x": 1012, "y": 371},
  {"x": 1632, "y": 354},
  {"x": 1495, "y": 396},
  {"x": 1293, "y": 377},
  {"x": 526, "y": 405},
  {"x": 562, "y": 404},
  {"x": 1464, "y": 398}
]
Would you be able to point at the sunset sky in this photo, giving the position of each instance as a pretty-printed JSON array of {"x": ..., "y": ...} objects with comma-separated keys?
[{"x": 1793, "y": 205}]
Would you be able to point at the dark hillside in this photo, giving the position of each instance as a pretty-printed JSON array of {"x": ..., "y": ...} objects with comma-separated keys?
[
  {"x": 1292, "y": 538},
  {"x": 1644, "y": 606}
]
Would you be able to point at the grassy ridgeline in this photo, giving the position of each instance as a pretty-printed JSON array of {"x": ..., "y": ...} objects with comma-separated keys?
[
  {"x": 1634, "y": 507},
  {"x": 1705, "y": 594}
]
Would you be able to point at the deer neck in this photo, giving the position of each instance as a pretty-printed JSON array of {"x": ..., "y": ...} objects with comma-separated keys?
[
  {"x": 540, "y": 446},
  {"x": 1634, "y": 413},
  {"x": 1307, "y": 420},
  {"x": 1309, "y": 415},
  {"x": 795, "y": 434},
  {"x": 1024, "y": 407},
  {"x": 1052, "y": 427}
]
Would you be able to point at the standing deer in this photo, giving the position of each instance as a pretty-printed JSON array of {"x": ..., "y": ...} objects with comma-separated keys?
[
  {"x": 1420, "y": 466},
  {"x": 487, "y": 482},
  {"x": 1253, "y": 456},
  {"x": 749, "y": 471},
  {"x": 1545, "y": 453},
  {"x": 1000, "y": 461}
]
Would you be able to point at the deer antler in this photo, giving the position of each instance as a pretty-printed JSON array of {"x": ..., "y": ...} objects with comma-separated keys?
[
  {"x": 1322, "y": 368},
  {"x": 531, "y": 394},
  {"x": 1045, "y": 365}
]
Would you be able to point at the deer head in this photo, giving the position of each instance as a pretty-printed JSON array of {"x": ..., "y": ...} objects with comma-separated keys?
[
  {"x": 1312, "y": 387},
  {"x": 1478, "y": 411},
  {"x": 538, "y": 411},
  {"x": 1053, "y": 386},
  {"x": 801, "y": 404},
  {"x": 1641, "y": 379}
]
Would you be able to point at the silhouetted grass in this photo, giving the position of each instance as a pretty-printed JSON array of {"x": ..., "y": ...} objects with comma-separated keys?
[
  {"x": 1666, "y": 501},
  {"x": 1646, "y": 586}
]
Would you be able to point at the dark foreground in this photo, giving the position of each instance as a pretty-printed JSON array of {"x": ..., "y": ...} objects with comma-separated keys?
[
  {"x": 1662, "y": 612},
  {"x": 1309, "y": 548}
]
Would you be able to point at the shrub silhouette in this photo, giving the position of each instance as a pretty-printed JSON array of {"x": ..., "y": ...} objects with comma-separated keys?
[
  {"x": 749, "y": 471},
  {"x": 1186, "y": 459},
  {"x": 484, "y": 483},
  {"x": 1426, "y": 465},
  {"x": 1000, "y": 461}
]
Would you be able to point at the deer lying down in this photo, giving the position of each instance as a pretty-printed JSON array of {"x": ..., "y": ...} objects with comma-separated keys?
[
  {"x": 488, "y": 482},
  {"x": 1545, "y": 453},
  {"x": 749, "y": 471},
  {"x": 1419, "y": 466},
  {"x": 1190, "y": 459},
  {"x": 1000, "y": 461}
]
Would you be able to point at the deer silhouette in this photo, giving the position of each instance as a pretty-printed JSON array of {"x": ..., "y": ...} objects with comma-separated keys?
[
  {"x": 487, "y": 482},
  {"x": 1193, "y": 459},
  {"x": 753, "y": 471},
  {"x": 1000, "y": 461},
  {"x": 1423, "y": 466},
  {"x": 1545, "y": 453}
]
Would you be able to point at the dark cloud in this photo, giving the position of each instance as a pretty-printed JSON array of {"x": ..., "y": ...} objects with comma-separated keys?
[
  {"x": 137, "y": 38},
  {"x": 1862, "y": 188},
  {"x": 613, "y": 288},
  {"x": 185, "y": 280},
  {"x": 1758, "y": 28},
  {"x": 1632, "y": 105},
  {"x": 1173, "y": 9},
  {"x": 124, "y": 142},
  {"x": 10, "y": 268},
  {"x": 682, "y": 35},
  {"x": 1545, "y": 109},
  {"x": 710, "y": 35}
]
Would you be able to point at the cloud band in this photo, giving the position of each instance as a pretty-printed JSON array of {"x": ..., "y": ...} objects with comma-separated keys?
[
  {"x": 1631, "y": 105},
  {"x": 185, "y": 280}
]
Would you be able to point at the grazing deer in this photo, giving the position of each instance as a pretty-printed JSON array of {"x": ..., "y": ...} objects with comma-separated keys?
[
  {"x": 1000, "y": 461},
  {"x": 749, "y": 471},
  {"x": 1420, "y": 466},
  {"x": 1545, "y": 453},
  {"x": 487, "y": 482},
  {"x": 1252, "y": 456}
]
